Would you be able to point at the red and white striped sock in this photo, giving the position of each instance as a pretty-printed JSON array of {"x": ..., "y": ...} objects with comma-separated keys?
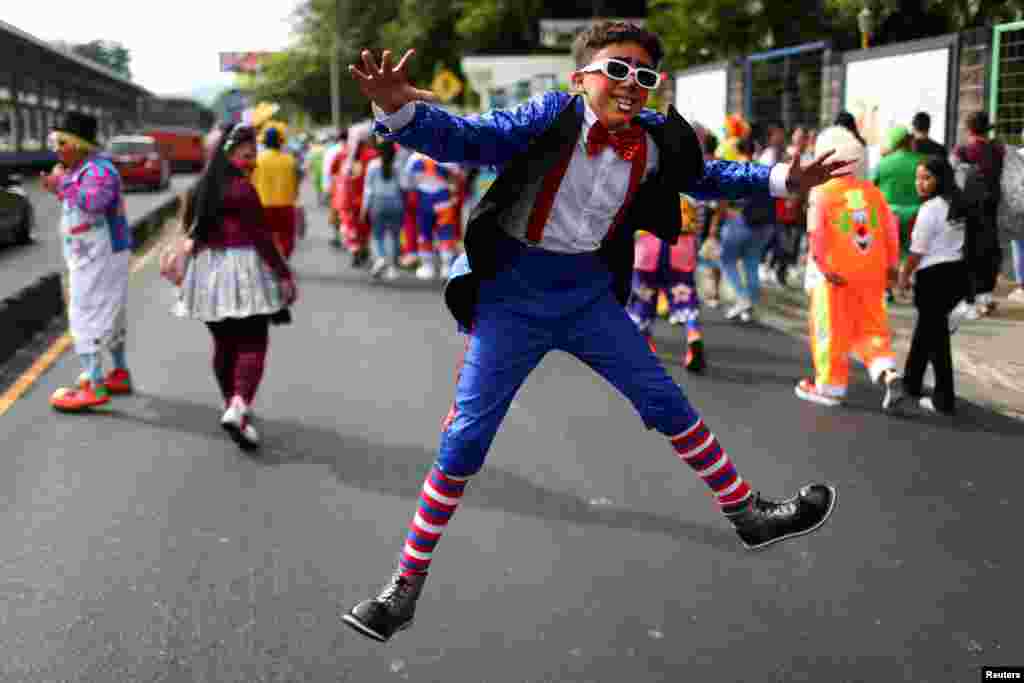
[
  {"x": 699, "y": 449},
  {"x": 441, "y": 495}
]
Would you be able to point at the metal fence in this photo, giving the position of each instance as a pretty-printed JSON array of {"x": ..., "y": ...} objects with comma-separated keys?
[
  {"x": 1006, "y": 96},
  {"x": 785, "y": 85}
]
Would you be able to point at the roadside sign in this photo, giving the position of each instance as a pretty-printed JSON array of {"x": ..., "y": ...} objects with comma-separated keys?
[{"x": 446, "y": 85}]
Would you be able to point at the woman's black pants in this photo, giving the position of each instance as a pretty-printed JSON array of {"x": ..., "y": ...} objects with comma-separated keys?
[{"x": 937, "y": 290}]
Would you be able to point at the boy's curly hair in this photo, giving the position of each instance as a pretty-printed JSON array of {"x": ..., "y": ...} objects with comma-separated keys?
[{"x": 600, "y": 36}]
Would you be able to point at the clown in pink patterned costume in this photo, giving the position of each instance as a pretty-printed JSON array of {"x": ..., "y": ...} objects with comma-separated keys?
[
  {"x": 97, "y": 243},
  {"x": 670, "y": 268}
]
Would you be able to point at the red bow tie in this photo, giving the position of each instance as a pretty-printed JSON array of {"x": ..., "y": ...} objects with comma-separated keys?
[{"x": 626, "y": 143}]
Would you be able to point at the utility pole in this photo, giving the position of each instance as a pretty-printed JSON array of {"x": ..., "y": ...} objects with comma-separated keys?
[{"x": 336, "y": 68}]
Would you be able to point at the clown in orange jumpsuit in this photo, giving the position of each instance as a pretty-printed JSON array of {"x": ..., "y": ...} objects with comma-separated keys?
[{"x": 854, "y": 242}]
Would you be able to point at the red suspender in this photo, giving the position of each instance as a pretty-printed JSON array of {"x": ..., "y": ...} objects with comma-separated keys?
[
  {"x": 546, "y": 197},
  {"x": 636, "y": 173}
]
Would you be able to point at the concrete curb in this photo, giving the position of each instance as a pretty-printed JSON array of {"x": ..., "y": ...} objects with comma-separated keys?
[{"x": 32, "y": 309}]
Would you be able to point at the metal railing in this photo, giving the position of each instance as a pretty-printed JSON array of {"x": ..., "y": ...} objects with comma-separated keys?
[{"x": 1006, "y": 95}]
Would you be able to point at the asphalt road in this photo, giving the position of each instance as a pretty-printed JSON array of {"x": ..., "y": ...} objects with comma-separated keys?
[
  {"x": 21, "y": 265},
  {"x": 141, "y": 545}
]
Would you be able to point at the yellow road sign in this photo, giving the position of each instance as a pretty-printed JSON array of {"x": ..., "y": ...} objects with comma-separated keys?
[{"x": 446, "y": 85}]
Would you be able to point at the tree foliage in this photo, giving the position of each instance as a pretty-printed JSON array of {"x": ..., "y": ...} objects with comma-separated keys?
[
  {"x": 108, "y": 53},
  {"x": 694, "y": 32},
  {"x": 701, "y": 31}
]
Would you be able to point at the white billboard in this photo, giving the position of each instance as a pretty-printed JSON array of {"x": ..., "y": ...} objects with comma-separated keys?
[
  {"x": 888, "y": 91},
  {"x": 701, "y": 98}
]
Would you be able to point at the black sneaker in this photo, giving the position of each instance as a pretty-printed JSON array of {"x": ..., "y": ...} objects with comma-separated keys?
[
  {"x": 389, "y": 612},
  {"x": 764, "y": 522}
]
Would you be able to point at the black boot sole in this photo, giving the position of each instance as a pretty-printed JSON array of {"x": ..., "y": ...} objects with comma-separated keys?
[
  {"x": 797, "y": 534},
  {"x": 365, "y": 630}
]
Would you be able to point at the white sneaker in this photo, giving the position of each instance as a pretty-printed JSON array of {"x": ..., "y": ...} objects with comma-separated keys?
[
  {"x": 391, "y": 273},
  {"x": 378, "y": 266},
  {"x": 738, "y": 309},
  {"x": 893, "y": 390},
  {"x": 928, "y": 405},
  {"x": 764, "y": 272},
  {"x": 426, "y": 271},
  {"x": 233, "y": 413},
  {"x": 235, "y": 422},
  {"x": 958, "y": 315},
  {"x": 747, "y": 315}
]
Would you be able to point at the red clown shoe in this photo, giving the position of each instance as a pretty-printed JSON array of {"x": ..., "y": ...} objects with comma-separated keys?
[
  {"x": 118, "y": 381},
  {"x": 77, "y": 400}
]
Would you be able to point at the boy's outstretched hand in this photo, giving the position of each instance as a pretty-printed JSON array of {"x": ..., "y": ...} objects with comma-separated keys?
[
  {"x": 388, "y": 86},
  {"x": 802, "y": 178}
]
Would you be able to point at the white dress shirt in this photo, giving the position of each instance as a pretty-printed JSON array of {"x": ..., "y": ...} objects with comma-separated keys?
[
  {"x": 936, "y": 239},
  {"x": 592, "y": 191}
]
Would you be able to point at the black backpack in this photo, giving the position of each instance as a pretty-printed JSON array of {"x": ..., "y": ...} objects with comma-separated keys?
[{"x": 978, "y": 187}]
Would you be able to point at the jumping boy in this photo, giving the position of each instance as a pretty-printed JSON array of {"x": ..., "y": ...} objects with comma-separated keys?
[{"x": 548, "y": 266}]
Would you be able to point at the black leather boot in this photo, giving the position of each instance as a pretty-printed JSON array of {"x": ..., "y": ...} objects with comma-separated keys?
[
  {"x": 762, "y": 522},
  {"x": 391, "y": 611}
]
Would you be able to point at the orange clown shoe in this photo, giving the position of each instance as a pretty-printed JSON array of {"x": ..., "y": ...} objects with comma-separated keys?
[
  {"x": 118, "y": 381},
  {"x": 77, "y": 400}
]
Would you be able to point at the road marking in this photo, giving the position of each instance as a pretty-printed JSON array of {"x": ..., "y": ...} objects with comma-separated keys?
[
  {"x": 29, "y": 377},
  {"x": 63, "y": 343}
]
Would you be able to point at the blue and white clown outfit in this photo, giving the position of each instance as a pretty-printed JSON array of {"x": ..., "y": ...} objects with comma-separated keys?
[{"x": 518, "y": 297}]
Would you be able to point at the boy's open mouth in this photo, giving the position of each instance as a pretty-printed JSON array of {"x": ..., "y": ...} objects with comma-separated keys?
[{"x": 624, "y": 103}]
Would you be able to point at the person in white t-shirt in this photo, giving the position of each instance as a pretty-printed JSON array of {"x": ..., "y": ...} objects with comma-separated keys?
[{"x": 939, "y": 272}]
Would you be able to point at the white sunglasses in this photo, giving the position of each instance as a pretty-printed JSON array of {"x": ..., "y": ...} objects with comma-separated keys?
[{"x": 617, "y": 70}]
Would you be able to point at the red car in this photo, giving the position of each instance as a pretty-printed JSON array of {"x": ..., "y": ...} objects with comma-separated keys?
[{"x": 140, "y": 161}]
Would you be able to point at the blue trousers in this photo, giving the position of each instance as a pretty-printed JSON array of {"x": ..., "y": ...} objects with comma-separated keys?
[
  {"x": 543, "y": 302},
  {"x": 743, "y": 245},
  {"x": 386, "y": 226}
]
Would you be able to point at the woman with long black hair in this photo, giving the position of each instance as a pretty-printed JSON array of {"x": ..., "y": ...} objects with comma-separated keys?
[
  {"x": 936, "y": 262},
  {"x": 383, "y": 206},
  {"x": 236, "y": 282}
]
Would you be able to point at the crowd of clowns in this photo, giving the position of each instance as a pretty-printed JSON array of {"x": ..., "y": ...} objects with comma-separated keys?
[{"x": 392, "y": 208}]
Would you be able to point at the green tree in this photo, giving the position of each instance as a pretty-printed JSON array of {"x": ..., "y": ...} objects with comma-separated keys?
[
  {"x": 490, "y": 25},
  {"x": 700, "y": 31},
  {"x": 108, "y": 53}
]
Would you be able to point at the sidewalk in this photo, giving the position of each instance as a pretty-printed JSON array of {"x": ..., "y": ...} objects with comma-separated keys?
[{"x": 987, "y": 353}]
